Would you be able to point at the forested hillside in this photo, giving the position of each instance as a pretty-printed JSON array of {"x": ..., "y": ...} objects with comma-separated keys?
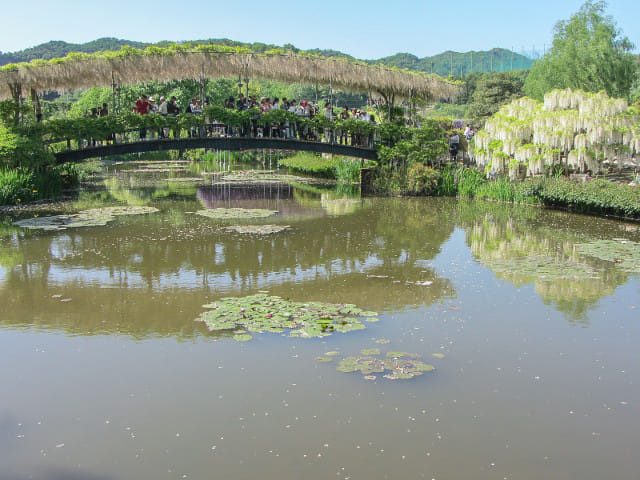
[{"x": 446, "y": 63}]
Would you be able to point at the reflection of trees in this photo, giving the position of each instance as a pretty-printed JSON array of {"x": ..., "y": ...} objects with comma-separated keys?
[
  {"x": 150, "y": 275},
  {"x": 531, "y": 245}
]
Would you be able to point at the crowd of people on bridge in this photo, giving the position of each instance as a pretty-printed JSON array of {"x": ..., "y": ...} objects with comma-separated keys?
[{"x": 286, "y": 130}]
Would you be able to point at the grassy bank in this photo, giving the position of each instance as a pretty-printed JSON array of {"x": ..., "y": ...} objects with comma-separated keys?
[
  {"x": 21, "y": 185},
  {"x": 598, "y": 196}
]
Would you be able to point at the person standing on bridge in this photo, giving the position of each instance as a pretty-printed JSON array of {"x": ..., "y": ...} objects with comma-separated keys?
[{"x": 142, "y": 108}]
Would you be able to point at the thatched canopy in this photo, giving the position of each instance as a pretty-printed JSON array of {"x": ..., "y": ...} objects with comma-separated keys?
[{"x": 131, "y": 66}]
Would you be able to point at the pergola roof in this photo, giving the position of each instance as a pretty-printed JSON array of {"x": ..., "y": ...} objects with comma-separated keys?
[{"x": 131, "y": 66}]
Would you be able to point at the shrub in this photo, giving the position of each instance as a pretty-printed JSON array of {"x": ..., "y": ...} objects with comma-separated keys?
[
  {"x": 422, "y": 180},
  {"x": 597, "y": 196}
]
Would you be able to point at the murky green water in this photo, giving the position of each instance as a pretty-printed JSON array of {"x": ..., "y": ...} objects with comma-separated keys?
[{"x": 106, "y": 374}]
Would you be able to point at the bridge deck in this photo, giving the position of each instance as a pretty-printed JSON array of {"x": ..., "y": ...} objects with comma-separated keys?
[{"x": 220, "y": 143}]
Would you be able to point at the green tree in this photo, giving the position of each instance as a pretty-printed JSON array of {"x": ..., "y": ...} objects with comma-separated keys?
[
  {"x": 588, "y": 53},
  {"x": 494, "y": 90}
]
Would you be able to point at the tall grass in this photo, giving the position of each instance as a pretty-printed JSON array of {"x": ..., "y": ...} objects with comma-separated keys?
[
  {"x": 17, "y": 185},
  {"x": 20, "y": 185},
  {"x": 347, "y": 170}
]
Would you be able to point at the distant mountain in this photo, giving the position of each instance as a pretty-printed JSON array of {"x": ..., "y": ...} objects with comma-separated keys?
[
  {"x": 447, "y": 63},
  {"x": 57, "y": 49},
  {"x": 459, "y": 64}
]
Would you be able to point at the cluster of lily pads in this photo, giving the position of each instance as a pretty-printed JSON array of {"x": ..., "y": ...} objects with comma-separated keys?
[
  {"x": 95, "y": 217},
  {"x": 394, "y": 365},
  {"x": 235, "y": 213},
  {"x": 257, "y": 229},
  {"x": 624, "y": 253},
  {"x": 268, "y": 313}
]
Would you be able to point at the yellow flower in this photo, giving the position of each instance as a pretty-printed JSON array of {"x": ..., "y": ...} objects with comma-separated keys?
[
  {"x": 35, "y": 191},
  {"x": 18, "y": 200}
]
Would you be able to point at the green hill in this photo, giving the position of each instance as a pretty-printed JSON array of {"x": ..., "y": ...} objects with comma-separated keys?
[
  {"x": 447, "y": 63},
  {"x": 459, "y": 64}
]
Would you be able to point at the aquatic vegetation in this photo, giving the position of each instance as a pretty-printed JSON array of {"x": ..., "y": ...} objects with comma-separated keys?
[
  {"x": 242, "y": 337},
  {"x": 542, "y": 267},
  {"x": 437, "y": 355},
  {"x": 624, "y": 253},
  {"x": 235, "y": 213},
  {"x": 94, "y": 217},
  {"x": 324, "y": 359},
  {"x": 264, "y": 313},
  {"x": 393, "y": 367},
  {"x": 257, "y": 229},
  {"x": 370, "y": 351},
  {"x": 402, "y": 354}
]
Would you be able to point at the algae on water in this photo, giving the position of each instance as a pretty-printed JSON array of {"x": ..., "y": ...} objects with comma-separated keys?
[
  {"x": 624, "y": 253},
  {"x": 235, "y": 213},
  {"x": 95, "y": 217},
  {"x": 392, "y": 368},
  {"x": 257, "y": 229},
  {"x": 267, "y": 313}
]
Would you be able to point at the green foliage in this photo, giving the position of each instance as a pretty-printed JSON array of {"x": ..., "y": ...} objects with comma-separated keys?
[
  {"x": 347, "y": 169},
  {"x": 16, "y": 186},
  {"x": 588, "y": 53},
  {"x": 422, "y": 180},
  {"x": 493, "y": 91},
  {"x": 312, "y": 163},
  {"x": 426, "y": 144},
  {"x": 597, "y": 196}
]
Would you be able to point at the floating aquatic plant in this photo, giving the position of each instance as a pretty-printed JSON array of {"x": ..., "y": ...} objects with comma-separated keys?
[
  {"x": 257, "y": 229},
  {"x": 235, "y": 213},
  {"x": 624, "y": 253},
  {"x": 324, "y": 359},
  {"x": 393, "y": 368},
  {"x": 267, "y": 313},
  {"x": 95, "y": 217},
  {"x": 543, "y": 267},
  {"x": 370, "y": 351}
]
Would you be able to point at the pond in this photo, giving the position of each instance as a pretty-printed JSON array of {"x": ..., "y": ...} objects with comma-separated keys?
[{"x": 170, "y": 344}]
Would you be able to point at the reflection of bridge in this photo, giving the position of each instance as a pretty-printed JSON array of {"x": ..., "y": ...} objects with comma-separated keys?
[{"x": 220, "y": 143}]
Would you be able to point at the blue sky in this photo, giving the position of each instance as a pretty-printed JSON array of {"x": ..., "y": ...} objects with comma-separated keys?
[{"x": 364, "y": 29}]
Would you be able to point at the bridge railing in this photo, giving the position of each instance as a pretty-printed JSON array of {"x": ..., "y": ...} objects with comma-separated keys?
[{"x": 78, "y": 133}]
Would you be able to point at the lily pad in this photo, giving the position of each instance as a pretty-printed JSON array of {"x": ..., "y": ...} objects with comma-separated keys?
[
  {"x": 370, "y": 351},
  {"x": 264, "y": 313},
  {"x": 95, "y": 217},
  {"x": 332, "y": 353},
  {"x": 393, "y": 369},
  {"x": 324, "y": 359},
  {"x": 383, "y": 341},
  {"x": 437, "y": 355},
  {"x": 242, "y": 337},
  {"x": 235, "y": 213},
  {"x": 402, "y": 354},
  {"x": 624, "y": 253},
  {"x": 257, "y": 229}
]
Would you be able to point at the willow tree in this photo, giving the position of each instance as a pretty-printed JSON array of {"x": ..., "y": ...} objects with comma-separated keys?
[
  {"x": 588, "y": 53},
  {"x": 575, "y": 129}
]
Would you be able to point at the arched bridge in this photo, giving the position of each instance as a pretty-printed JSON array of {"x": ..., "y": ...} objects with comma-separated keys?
[{"x": 220, "y": 143}]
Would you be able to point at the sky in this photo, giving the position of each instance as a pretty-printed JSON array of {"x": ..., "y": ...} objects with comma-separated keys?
[{"x": 364, "y": 29}]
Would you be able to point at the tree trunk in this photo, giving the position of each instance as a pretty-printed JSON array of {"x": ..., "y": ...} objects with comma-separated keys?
[
  {"x": 16, "y": 94},
  {"x": 37, "y": 108}
]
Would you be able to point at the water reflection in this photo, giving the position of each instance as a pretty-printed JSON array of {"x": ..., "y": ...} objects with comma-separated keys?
[
  {"x": 150, "y": 275},
  {"x": 530, "y": 245}
]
